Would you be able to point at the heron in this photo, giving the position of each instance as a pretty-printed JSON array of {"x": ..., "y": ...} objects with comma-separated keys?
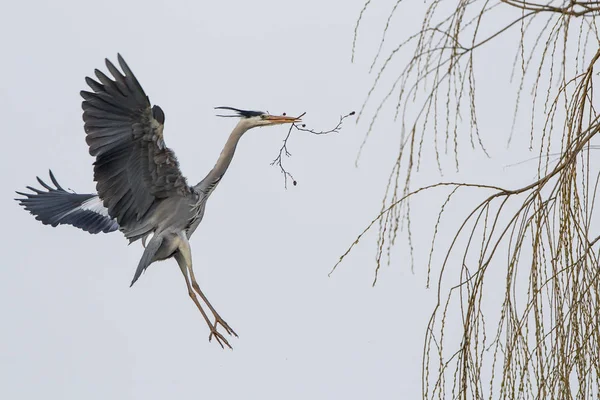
[{"x": 140, "y": 188}]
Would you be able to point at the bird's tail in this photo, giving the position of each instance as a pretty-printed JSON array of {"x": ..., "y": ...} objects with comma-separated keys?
[
  {"x": 57, "y": 206},
  {"x": 148, "y": 257}
]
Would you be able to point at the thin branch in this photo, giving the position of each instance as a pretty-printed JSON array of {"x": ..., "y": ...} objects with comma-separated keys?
[
  {"x": 285, "y": 153},
  {"x": 546, "y": 333}
]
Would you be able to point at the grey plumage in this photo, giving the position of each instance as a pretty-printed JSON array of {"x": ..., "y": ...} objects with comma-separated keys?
[
  {"x": 141, "y": 190},
  {"x": 56, "y": 206},
  {"x": 134, "y": 169}
]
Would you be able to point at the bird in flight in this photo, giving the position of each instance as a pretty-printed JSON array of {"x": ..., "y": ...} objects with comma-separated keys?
[{"x": 141, "y": 190}]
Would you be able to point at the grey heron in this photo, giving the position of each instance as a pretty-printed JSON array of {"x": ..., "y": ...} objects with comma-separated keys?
[{"x": 141, "y": 190}]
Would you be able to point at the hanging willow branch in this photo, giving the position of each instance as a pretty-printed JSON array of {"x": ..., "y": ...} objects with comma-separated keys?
[{"x": 541, "y": 340}]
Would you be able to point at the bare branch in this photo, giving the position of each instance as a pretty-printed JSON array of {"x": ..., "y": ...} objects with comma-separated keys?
[{"x": 284, "y": 152}]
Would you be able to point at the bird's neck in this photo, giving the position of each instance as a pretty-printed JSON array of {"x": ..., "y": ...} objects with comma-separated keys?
[{"x": 212, "y": 179}]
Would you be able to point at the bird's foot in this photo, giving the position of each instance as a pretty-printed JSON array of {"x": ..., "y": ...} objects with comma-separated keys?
[
  {"x": 219, "y": 337},
  {"x": 215, "y": 332},
  {"x": 225, "y": 325}
]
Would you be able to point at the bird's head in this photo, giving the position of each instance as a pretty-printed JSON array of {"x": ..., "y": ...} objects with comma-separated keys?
[{"x": 253, "y": 119}]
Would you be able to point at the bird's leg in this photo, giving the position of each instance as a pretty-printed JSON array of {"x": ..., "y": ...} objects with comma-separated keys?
[
  {"x": 218, "y": 319},
  {"x": 213, "y": 329},
  {"x": 184, "y": 259}
]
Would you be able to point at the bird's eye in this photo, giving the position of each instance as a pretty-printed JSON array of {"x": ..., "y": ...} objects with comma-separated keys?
[{"x": 263, "y": 116}]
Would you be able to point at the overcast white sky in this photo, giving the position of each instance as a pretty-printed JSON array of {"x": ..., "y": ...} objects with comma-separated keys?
[{"x": 71, "y": 326}]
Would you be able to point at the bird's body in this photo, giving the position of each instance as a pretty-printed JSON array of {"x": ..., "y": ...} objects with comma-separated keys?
[{"x": 141, "y": 190}]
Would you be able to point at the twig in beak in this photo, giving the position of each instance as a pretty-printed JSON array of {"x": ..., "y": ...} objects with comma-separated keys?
[{"x": 283, "y": 151}]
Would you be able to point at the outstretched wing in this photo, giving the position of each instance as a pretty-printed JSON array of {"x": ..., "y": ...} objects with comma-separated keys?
[
  {"x": 57, "y": 206},
  {"x": 133, "y": 168}
]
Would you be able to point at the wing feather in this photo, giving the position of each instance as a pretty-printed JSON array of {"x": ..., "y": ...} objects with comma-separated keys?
[
  {"x": 56, "y": 206},
  {"x": 134, "y": 168}
]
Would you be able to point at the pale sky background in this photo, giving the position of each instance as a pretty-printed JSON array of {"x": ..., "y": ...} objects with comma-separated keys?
[{"x": 71, "y": 326}]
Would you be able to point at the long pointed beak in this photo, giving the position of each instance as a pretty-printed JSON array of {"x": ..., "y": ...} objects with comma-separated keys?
[{"x": 281, "y": 119}]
